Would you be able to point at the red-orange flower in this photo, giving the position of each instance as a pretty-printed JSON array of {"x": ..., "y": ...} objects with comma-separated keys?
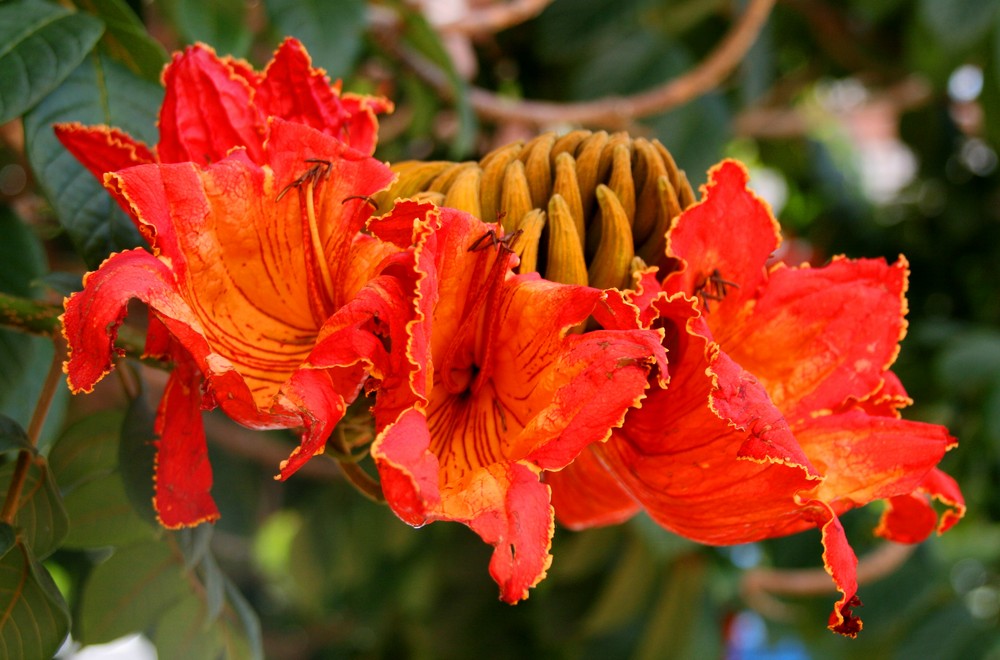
[
  {"x": 781, "y": 411},
  {"x": 214, "y": 104},
  {"x": 252, "y": 264},
  {"x": 510, "y": 392}
]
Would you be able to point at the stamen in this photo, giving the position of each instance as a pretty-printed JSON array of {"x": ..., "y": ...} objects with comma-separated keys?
[
  {"x": 458, "y": 377},
  {"x": 713, "y": 287},
  {"x": 306, "y": 185},
  {"x": 371, "y": 202}
]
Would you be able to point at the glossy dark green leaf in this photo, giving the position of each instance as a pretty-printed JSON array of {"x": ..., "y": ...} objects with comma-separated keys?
[
  {"x": 87, "y": 450},
  {"x": 101, "y": 515},
  {"x": 99, "y": 91},
  {"x": 85, "y": 463},
  {"x": 131, "y": 590},
  {"x": 331, "y": 31},
  {"x": 222, "y": 24},
  {"x": 186, "y": 631},
  {"x": 41, "y": 516},
  {"x": 126, "y": 38},
  {"x": 13, "y": 437},
  {"x": 40, "y": 44},
  {"x": 137, "y": 457},
  {"x": 35, "y": 619}
]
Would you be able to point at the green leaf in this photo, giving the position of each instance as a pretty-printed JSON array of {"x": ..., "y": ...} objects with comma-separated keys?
[
  {"x": 957, "y": 24},
  {"x": 222, "y": 23},
  {"x": 13, "y": 437},
  {"x": 137, "y": 457},
  {"x": 101, "y": 515},
  {"x": 87, "y": 450},
  {"x": 41, "y": 515},
  {"x": 99, "y": 91},
  {"x": 331, "y": 31},
  {"x": 35, "y": 619},
  {"x": 85, "y": 463},
  {"x": 185, "y": 631},
  {"x": 131, "y": 590},
  {"x": 40, "y": 43},
  {"x": 126, "y": 38}
]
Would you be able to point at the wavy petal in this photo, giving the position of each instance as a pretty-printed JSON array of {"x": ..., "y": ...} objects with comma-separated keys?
[
  {"x": 94, "y": 314},
  {"x": 729, "y": 235},
  {"x": 865, "y": 458},
  {"x": 586, "y": 494},
  {"x": 101, "y": 148},
  {"x": 183, "y": 474},
  {"x": 207, "y": 110},
  {"x": 820, "y": 336}
]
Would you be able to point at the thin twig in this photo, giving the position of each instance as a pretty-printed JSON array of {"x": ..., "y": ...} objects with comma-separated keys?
[
  {"x": 609, "y": 112},
  {"x": 496, "y": 17},
  {"x": 760, "y": 585}
]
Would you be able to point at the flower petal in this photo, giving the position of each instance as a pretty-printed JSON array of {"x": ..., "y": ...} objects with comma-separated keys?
[
  {"x": 820, "y": 336},
  {"x": 183, "y": 473},
  {"x": 94, "y": 315},
  {"x": 293, "y": 90},
  {"x": 865, "y": 458},
  {"x": 698, "y": 473},
  {"x": 519, "y": 527},
  {"x": 731, "y": 232},
  {"x": 102, "y": 149},
  {"x": 586, "y": 494},
  {"x": 842, "y": 565},
  {"x": 207, "y": 110}
]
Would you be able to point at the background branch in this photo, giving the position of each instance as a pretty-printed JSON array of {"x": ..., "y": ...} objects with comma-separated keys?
[{"x": 608, "y": 112}]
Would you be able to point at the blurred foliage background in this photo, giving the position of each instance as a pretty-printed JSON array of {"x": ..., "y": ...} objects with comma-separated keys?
[{"x": 871, "y": 126}]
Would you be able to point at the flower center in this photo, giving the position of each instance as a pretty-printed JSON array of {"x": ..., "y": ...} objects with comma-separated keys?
[
  {"x": 469, "y": 362},
  {"x": 322, "y": 300}
]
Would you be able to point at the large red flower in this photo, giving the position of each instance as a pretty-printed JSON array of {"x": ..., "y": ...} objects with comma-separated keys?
[
  {"x": 213, "y": 105},
  {"x": 781, "y": 411},
  {"x": 511, "y": 391},
  {"x": 252, "y": 265}
]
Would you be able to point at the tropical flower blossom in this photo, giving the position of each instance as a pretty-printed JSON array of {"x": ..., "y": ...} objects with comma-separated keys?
[
  {"x": 781, "y": 412},
  {"x": 510, "y": 391},
  {"x": 212, "y": 105},
  {"x": 251, "y": 264}
]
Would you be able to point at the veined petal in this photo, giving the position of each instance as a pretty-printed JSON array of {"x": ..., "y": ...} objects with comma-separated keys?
[
  {"x": 707, "y": 477},
  {"x": 94, "y": 315},
  {"x": 183, "y": 473},
  {"x": 864, "y": 458},
  {"x": 101, "y": 148},
  {"x": 207, "y": 110},
  {"x": 586, "y": 494},
  {"x": 296, "y": 91},
  {"x": 842, "y": 565},
  {"x": 820, "y": 336},
  {"x": 724, "y": 242},
  {"x": 519, "y": 526}
]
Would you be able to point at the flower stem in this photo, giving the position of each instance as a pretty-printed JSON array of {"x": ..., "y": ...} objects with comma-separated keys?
[
  {"x": 24, "y": 457},
  {"x": 354, "y": 473},
  {"x": 30, "y": 315}
]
